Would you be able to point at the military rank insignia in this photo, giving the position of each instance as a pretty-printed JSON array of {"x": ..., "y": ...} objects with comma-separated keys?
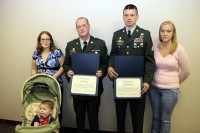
[
  {"x": 73, "y": 50},
  {"x": 120, "y": 41}
]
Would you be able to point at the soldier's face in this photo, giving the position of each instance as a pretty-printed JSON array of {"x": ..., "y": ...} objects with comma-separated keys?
[
  {"x": 82, "y": 27},
  {"x": 130, "y": 17}
]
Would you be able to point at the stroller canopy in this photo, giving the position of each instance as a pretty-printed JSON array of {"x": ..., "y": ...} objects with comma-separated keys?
[{"x": 40, "y": 87}]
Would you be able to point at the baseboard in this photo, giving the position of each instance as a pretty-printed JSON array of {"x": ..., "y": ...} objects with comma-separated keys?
[
  {"x": 10, "y": 122},
  {"x": 73, "y": 130}
]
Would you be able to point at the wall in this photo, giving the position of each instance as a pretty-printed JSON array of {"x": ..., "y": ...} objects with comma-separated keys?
[{"x": 22, "y": 20}]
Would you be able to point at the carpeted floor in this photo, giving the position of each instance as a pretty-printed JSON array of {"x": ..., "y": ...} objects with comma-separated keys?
[
  {"x": 10, "y": 128},
  {"x": 5, "y": 128}
]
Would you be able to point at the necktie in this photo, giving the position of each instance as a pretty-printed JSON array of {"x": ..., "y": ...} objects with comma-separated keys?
[
  {"x": 85, "y": 46},
  {"x": 129, "y": 34}
]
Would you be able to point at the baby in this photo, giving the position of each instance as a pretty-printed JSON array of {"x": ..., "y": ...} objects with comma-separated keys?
[{"x": 44, "y": 118}]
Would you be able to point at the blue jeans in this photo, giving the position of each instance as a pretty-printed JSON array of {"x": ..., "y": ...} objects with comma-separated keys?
[{"x": 162, "y": 102}]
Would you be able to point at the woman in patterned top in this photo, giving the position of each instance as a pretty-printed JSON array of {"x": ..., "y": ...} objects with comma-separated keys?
[{"x": 47, "y": 58}]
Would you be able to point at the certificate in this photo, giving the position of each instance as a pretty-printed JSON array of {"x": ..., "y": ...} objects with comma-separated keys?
[
  {"x": 84, "y": 85},
  {"x": 85, "y": 66},
  {"x": 128, "y": 87}
]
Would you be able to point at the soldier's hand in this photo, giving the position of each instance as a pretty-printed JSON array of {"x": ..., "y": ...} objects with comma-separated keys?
[
  {"x": 70, "y": 73},
  {"x": 145, "y": 88},
  {"x": 111, "y": 73},
  {"x": 99, "y": 73}
]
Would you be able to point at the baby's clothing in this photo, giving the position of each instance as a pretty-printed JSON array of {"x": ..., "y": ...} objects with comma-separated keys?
[{"x": 41, "y": 120}]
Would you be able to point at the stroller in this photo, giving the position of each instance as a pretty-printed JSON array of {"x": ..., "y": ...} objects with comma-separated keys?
[{"x": 36, "y": 89}]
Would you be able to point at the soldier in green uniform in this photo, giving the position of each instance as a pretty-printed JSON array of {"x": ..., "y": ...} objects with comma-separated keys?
[
  {"x": 89, "y": 103},
  {"x": 132, "y": 41}
]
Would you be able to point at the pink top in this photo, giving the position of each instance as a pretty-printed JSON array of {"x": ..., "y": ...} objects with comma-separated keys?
[{"x": 170, "y": 70}]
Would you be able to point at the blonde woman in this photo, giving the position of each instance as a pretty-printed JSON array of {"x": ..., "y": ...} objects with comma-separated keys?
[{"x": 172, "y": 68}]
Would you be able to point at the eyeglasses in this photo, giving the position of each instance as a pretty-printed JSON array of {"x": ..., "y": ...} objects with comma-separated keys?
[{"x": 47, "y": 39}]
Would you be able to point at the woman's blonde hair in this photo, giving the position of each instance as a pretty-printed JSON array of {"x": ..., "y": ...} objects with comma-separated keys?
[{"x": 174, "y": 37}]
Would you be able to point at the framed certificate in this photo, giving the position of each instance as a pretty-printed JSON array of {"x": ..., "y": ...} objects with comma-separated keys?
[
  {"x": 130, "y": 71},
  {"x": 85, "y": 66},
  {"x": 128, "y": 87},
  {"x": 84, "y": 85}
]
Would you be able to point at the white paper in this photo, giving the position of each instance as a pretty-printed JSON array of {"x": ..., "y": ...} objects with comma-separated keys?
[
  {"x": 82, "y": 84},
  {"x": 128, "y": 87}
]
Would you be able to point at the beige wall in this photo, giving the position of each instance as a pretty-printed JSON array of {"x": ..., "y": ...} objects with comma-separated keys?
[{"x": 22, "y": 20}]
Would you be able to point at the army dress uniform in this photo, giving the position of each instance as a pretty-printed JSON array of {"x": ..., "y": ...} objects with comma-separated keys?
[
  {"x": 91, "y": 103},
  {"x": 139, "y": 44}
]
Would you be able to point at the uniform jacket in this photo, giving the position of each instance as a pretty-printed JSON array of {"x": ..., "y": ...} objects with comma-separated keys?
[
  {"x": 95, "y": 46},
  {"x": 140, "y": 44}
]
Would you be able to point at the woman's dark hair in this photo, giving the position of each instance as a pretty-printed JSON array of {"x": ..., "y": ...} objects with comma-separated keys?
[{"x": 39, "y": 47}]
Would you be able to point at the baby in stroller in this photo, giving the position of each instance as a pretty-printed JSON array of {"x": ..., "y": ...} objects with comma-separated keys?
[
  {"x": 39, "y": 88},
  {"x": 45, "y": 116}
]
